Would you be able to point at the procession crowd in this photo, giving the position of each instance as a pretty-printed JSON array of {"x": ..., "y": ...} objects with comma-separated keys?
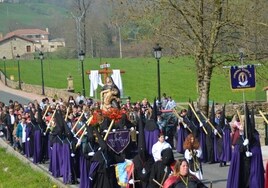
[{"x": 132, "y": 144}]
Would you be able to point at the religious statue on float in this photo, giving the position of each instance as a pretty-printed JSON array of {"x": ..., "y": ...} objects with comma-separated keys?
[{"x": 110, "y": 95}]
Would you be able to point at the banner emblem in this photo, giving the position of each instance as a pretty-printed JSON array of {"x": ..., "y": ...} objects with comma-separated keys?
[{"x": 118, "y": 140}]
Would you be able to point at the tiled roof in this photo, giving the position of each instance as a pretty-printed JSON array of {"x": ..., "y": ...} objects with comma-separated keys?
[
  {"x": 13, "y": 36},
  {"x": 20, "y": 32}
]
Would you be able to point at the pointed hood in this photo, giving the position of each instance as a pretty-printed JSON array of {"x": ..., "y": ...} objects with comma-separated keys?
[
  {"x": 59, "y": 128},
  {"x": 167, "y": 156},
  {"x": 101, "y": 141},
  {"x": 33, "y": 120},
  {"x": 141, "y": 142},
  {"x": 155, "y": 111},
  {"x": 189, "y": 111},
  {"x": 222, "y": 118},
  {"x": 90, "y": 134},
  {"x": 249, "y": 127},
  {"x": 212, "y": 114}
]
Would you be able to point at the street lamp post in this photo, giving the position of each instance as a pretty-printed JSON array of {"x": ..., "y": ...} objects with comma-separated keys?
[
  {"x": 41, "y": 57},
  {"x": 158, "y": 55},
  {"x": 5, "y": 70},
  {"x": 18, "y": 59},
  {"x": 81, "y": 57}
]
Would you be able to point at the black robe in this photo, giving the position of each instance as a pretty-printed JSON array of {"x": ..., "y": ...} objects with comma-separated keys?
[{"x": 162, "y": 169}]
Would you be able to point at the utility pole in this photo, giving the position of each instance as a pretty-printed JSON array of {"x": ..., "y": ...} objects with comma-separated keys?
[{"x": 78, "y": 31}]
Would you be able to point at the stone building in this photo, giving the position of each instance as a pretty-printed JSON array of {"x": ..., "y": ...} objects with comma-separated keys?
[{"x": 28, "y": 41}]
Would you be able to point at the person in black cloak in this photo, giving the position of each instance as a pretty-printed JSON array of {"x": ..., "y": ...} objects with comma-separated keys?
[
  {"x": 210, "y": 136},
  {"x": 182, "y": 131},
  {"x": 102, "y": 169},
  {"x": 44, "y": 137},
  {"x": 218, "y": 141},
  {"x": 162, "y": 169},
  {"x": 143, "y": 162},
  {"x": 151, "y": 130},
  {"x": 56, "y": 140},
  {"x": 246, "y": 169},
  {"x": 223, "y": 151},
  {"x": 69, "y": 162},
  {"x": 89, "y": 148},
  {"x": 37, "y": 131},
  {"x": 29, "y": 144}
]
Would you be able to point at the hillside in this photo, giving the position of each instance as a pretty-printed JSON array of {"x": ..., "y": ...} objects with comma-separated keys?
[{"x": 29, "y": 15}]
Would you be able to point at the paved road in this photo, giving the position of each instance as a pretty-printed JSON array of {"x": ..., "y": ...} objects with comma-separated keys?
[{"x": 4, "y": 97}]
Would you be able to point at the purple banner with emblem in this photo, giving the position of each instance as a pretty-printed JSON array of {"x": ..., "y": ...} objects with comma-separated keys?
[
  {"x": 118, "y": 140},
  {"x": 243, "y": 77}
]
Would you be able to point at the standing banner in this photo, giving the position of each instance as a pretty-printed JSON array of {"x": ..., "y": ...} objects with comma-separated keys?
[
  {"x": 118, "y": 140},
  {"x": 242, "y": 77}
]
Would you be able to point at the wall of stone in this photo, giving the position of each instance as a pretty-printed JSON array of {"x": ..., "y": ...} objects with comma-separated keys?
[{"x": 49, "y": 92}]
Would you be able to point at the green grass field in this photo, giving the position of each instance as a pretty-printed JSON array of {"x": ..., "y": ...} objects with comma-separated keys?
[
  {"x": 14, "y": 173},
  {"x": 178, "y": 78}
]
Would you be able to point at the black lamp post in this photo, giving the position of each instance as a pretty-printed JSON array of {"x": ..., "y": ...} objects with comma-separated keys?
[
  {"x": 18, "y": 59},
  {"x": 5, "y": 70},
  {"x": 41, "y": 57},
  {"x": 158, "y": 55},
  {"x": 82, "y": 57}
]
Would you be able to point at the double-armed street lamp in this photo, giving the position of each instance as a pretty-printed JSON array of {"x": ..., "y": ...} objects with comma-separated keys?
[
  {"x": 18, "y": 59},
  {"x": 82, "y": 57},
  {"x": 5, "y": 70},
  {"x": 41, "y": 57},
  {"x": 158, "y": 55}
]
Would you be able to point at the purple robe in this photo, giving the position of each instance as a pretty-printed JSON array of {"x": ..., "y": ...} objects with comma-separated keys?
[
  {"x": 66, "y": 163},
  {"x": 84, "y": 180},
  {"x": 227, "y": 146},
  {"x": 37, "y": 158},
  {"x": 202, "y": 142},
  {"x": 181, "y": 137},
  {"x": 256, "y": 168},
  {"x": 151, "y": 137},
  {"x": 28, "y": 143},
  {"x": 233, "y": 175},
  {"x": 56, "y": 159},
  {"x": 92, "y": 168}
]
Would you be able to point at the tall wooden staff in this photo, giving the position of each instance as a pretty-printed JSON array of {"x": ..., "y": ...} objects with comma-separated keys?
[
  {"x": 207, "y": 120},
  {"x": 45, "y": 112},
  {"x": 263, "y": 116},
  {"x": 198, "y": 118},
  {"x": 50, "y": 121},
  {"x": 179, "y": 117},
  {"x": 66, "y": 115},
  {"x": 87, "y": 123},
  {"x": 109, "y": 129},
  {"x": 244, "y": 125},
  {"x": 76, "y": 123}
]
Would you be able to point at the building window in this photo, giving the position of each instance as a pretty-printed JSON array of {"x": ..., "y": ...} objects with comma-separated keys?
[
  {"x": 14, "y": 48},
  {"x": 42, "y": 46},
  {"x": 28, "y": 48},
  {"x": 52, "y": 46}
]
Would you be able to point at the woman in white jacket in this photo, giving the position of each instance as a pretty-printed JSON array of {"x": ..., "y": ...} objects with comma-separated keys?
[{"x": 192, "y": 154}]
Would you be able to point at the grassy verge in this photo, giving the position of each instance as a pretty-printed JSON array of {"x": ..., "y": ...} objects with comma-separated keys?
[{"x": 14, "y": 173}]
